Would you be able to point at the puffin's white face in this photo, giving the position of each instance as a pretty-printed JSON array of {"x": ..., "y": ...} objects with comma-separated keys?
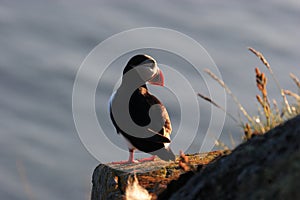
[{"x": 149, "y": 72}]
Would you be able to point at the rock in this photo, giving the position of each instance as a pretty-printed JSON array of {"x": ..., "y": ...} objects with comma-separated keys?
[
  {"x": 265, "y": 167},
  {"x": 110, "y": 181}
]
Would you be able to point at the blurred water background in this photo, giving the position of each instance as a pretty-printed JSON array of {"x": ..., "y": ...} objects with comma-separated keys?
[{"x": 42, "y": 44}]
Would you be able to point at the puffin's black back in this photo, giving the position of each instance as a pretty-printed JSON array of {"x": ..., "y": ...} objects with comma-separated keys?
[{"x": 135, "y": 61}]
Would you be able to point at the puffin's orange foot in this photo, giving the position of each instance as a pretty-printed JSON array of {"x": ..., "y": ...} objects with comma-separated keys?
[
  {"x": 124, "y": 162},
  {"x": 147, "y": 159},
  {"x": 129, "y": 161}
]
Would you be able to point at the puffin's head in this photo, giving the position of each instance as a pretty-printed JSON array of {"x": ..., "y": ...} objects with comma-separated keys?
[{"x": 145, "y": 67}]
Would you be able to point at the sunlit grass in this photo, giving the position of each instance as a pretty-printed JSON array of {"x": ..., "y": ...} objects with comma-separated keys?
[{"x": 270, "y": 114}]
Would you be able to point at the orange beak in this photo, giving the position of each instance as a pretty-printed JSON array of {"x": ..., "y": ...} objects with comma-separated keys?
[{"x": 158, "y": 79}]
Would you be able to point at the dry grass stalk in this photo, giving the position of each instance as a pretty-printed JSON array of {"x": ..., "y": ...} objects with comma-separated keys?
[
  {"x": 260, "y": 101},
  {"x": 288, "y": 107},
  {"x": 295, "y": 79},
  {"x": 296, "y": 96},
  {"x": 184, "y": 162},
  {"x": 266, "y": 63},
  {"x": 261, "y": 83},
  {"x": 277, "y": 111},
  {"x": 255, "y": 125},
  {"x": 221, "y": 144},
  {"x": 231, "y": 94},
  {"x": 248, "y": 131},
  {"x": 218, "y": 106},
  {"x": 261, "y": 57},
  {"x": 233, "y": 143}
]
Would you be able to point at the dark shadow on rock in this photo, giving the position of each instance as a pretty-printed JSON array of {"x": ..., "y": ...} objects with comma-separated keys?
[{"x": 265, "y": 167}]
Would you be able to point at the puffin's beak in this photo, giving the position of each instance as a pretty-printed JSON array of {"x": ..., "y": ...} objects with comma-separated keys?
[{"x": 158, "y": 79}]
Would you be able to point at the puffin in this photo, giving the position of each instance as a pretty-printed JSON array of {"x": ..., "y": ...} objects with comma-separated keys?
[{"x": 139, "y": 116}]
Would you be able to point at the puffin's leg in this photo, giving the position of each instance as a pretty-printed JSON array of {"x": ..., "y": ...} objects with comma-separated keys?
[{"x": 130, "y": 159}]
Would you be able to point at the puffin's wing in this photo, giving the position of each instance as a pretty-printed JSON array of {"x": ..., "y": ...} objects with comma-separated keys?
[
  {"x": 167, "y": 128},
  {"x": 155, "y": 137},
  {"x": 160, "y": 116},
  {"x": 147, "y": 133},
  {"x": 165, "y": 153}
]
